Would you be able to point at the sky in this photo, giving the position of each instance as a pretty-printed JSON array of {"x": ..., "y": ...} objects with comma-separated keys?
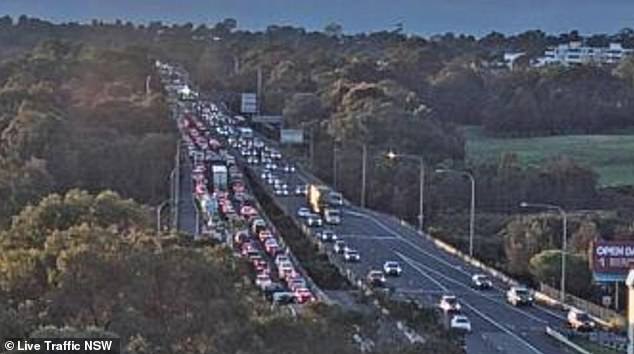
[{"x": 423, "y": 17}]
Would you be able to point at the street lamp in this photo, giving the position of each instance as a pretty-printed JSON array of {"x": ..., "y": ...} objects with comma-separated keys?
[
  {"x": 562, "y": 286},
  {"x": 472, "y": 209},
  {"x": 391, "y": 155},
  {"x": 159, "y": 209}
]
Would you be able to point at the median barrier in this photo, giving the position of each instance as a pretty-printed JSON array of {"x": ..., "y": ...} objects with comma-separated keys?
[{"x": 321, "y": 295}]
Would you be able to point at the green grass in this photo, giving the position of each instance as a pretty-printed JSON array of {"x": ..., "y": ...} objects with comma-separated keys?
[{"x": 611, "y": 156}]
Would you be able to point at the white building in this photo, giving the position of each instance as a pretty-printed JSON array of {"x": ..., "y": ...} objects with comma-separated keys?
[{"x": 575, "y": 53}]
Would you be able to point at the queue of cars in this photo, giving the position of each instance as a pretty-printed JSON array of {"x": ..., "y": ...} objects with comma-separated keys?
[
  {"x": 208, "y": 134},
  {"x": 224, "y": 200}
]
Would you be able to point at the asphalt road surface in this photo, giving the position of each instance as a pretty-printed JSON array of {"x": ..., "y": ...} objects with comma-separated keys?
[
  {"x": 429, "y": 272},
  {"x": 186, "y": 208}
]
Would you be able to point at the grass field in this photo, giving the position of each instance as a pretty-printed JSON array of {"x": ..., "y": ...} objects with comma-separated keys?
[{"x": 612, "y": 156}]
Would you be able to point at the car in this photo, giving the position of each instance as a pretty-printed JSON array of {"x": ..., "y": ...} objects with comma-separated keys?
[
  {"x": 449, "y": 304},
  {"x": 266, "y": 175},
  {"x": 327, "y": 236},
  {"x": 392, "y": 268},
  {"x": 339, "y": 246},
  {"x": 285, "y": 269},
  {"x": 376, "y": 278},
  {"x": 303, "y": 212},
  {"x": 519, "y": 295},
  {"x": 273, "y": 288},
  {"x": 460, "y": 323},
  {"x": 271, "y": 166},
  {"x": 335, "y": 198},
  {"x": 264, "y": 235},
  {"x": 332, "y": 216},
  {"x": 281, "y": 258},
  {"x": 350, "y": 255},
  {"x": 288, "y": 168},
  {"x": 262, "y": 281},
  {"x": 314, "y": 220},
  {"x": 580, "y": 321},
  {"x": 481, "y": 281},
  {"x": 301, "y": 189},
  {"x": 303, "y": 295},
  {"x": 275, "y": 155},
  {"x": 280, "y": 191},
  {"x": 296, "y": 283},
  {"x": 283, "y": 298}
]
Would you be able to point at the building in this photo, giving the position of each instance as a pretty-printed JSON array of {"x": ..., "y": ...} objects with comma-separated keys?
[{"x": 575, "y": 53}]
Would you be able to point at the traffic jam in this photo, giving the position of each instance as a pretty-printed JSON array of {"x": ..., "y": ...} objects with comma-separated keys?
[
  {"x": 211, "y": 139},
  {"x": 228, "y": 212}
]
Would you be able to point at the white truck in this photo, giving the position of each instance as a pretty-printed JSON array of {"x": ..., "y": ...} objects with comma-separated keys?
[{"x": 220, "y": 177}]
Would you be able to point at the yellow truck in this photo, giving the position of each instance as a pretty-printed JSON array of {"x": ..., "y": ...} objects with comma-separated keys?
[{"x": 319, "y": 200}]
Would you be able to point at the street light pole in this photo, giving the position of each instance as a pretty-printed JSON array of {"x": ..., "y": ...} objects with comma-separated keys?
[
  {"x": 364, "y": 158},
  {"x": 472, "y": 207},
  {"x": 158, "y": 215},
  {"x": 564, "y": 242},
  {"x": 421, "y": 193}
]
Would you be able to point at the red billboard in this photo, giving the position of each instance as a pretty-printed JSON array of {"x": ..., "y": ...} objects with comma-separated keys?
[{"x": 612, "y": 257}]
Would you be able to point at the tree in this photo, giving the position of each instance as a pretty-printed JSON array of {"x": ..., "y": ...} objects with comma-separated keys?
[
  {"x": 333, "y": 29},
  {"x": 303, "y": 108},
  {"x": 546, "y": 268}
]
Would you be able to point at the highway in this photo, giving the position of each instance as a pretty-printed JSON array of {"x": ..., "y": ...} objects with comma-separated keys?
[
  {"x": 429, "y": 272},
  {"x": 186, "y": 207}
]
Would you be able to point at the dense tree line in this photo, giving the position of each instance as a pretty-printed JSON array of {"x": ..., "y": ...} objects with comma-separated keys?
[
  {"x": 66, "y": 111},
  {"x": 75, "y": 115},
  {"x": 85, "y": 264}
]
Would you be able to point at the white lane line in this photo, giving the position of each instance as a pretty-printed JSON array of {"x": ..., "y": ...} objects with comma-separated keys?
[
  {"x": 458, "y": 268},
  {"x": 502, "y": 328},
  {"x": 480, "y": 294},
  {"x": 413, "y": 245},
  {"x": 424, "y": 274},
  {"x": 366, "y": 237},
  {"x": 415, "y": 265}
]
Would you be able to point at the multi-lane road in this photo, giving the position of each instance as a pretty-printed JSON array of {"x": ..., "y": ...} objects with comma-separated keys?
[{"x": 429, "y": 272}]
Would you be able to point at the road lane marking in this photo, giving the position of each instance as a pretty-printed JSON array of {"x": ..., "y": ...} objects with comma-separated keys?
[
  {"x": 416, "y": 265},
  {"x": 366, "y": 237},
  {"x": 456, "y": 267},
  {"x": 424, "y": 274},
  {"x": 413, "y": 245}
]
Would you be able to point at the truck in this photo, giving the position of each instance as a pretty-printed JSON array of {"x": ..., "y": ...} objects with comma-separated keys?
[
  {"x": 219, "y": 177},
  {"x": 319, "y": 201}
]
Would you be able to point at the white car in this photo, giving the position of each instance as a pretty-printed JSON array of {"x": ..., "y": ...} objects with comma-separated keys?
[
  {"x": 327, "y": 236},
  {"x": 262, "y": 281},
  {"x": 280, "y": 259},
  {"x": 580, "y": 321},
  {"x": 350, "y": 255},
  {"x": 481, "y": 281},
  {"x": 518, "y": 295},
  {"x": 460, "y": 323},
  {"x": 314, "y": 220},
  {"x": 301, "y": 189},
  {"x": 392, "y": 268},
  {"x": 303, "y": 212},
  {"x": 449, "y": 304},
  {"x": 339, "y": 246}
]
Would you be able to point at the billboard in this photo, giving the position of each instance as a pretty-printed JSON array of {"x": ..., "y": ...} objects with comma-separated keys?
[
  {"x": 249, "y": 103},
  {"x": 291, "y": 136},
  {"x": 611, "y": 260}
]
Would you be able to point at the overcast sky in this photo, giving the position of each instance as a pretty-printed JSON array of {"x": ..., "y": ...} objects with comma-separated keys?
[{"x": 424, "y": 17}]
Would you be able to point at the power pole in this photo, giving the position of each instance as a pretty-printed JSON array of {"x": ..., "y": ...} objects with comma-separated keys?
[{"x": 259, "y": 91}]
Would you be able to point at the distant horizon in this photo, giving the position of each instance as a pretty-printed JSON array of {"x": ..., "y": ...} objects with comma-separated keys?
[{"x": 423, "y": 17}]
